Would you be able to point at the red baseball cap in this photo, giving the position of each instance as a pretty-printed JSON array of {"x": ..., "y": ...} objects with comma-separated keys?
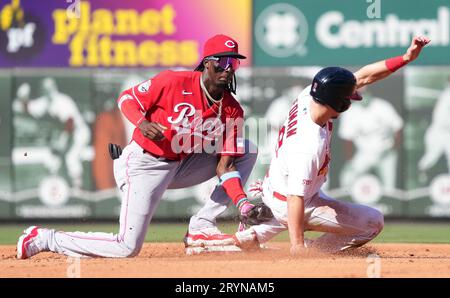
[{"x": 221, "y": 45}]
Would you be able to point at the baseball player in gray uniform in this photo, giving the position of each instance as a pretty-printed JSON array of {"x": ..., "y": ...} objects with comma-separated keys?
[{"x": 188, "y": 129}]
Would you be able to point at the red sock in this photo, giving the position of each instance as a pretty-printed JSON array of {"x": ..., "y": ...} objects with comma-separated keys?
[{"x": 234, "y": 189}]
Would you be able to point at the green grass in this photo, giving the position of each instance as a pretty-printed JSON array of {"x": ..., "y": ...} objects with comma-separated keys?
[
  {"x": 164, "y": 232},
  {"x": 415, "y": 233}
]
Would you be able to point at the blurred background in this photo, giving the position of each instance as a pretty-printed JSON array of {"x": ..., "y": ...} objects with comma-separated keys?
[{"x": 64, "y": 63}]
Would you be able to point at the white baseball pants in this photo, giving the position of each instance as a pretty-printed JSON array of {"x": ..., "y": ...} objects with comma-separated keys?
[{"x": 344, "y": 224}]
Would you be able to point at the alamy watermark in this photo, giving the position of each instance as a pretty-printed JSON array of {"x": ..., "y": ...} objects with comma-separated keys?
[
  {"x": 374, "y": 9},
  {"x": 215, "y": 136},
  {"x": 74, "y": 267},
  {"x": 73, "y": 10},
  {"x": 374, "y": 267}
]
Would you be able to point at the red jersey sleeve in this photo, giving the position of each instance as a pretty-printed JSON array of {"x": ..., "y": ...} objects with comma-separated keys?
[
  {"x": 136, "y": 101},
  {"x": 233, "y": 141}
]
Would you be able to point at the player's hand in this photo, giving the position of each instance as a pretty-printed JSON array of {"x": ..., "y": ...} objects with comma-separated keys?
[
  {"x": 297, "y": 249},
  {"x": 152, "y": 130},
  {"x": 245, "y": 208},
  {"x": 417, "y": 43}
]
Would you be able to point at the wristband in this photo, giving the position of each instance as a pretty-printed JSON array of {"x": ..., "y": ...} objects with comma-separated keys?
[
  {"x": 229, "y": 175},
  {"x": 395, "y": 63},
  {"x": 242, "y": 202}
]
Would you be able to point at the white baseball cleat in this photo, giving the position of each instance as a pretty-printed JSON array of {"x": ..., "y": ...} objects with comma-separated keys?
[
  {"x": 30, "y": 243},
  {"x": 246, "y": 239},
  {"x": 207, "y": 237}
]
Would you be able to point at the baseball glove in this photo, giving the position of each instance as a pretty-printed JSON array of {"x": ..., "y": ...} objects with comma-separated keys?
[{"x": 258, "y": 214}]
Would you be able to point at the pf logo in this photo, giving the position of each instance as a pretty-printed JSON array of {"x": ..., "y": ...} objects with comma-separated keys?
[
  {"x": 185, "y": 110},
  {"x": 229, "y": 43}
]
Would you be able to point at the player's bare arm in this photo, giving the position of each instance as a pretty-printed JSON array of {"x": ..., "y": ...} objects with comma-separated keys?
[
  {"x": 381, "y": 69},
  {"x": 296, "y": 211},
  {"x": 152, "y": 130},
  {"x": 225, "y": 165}
]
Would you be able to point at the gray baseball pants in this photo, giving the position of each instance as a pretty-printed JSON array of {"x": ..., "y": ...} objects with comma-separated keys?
[{"x": 142, "y": 180}]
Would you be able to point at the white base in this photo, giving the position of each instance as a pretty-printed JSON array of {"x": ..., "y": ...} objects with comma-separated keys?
[{"x": 207, "y": 249}]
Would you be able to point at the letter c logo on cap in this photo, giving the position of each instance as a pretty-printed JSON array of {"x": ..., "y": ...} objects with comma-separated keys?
[{"x": 230, "y": 44}]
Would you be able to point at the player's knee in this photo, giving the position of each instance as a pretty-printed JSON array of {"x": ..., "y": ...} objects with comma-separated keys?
[
  {"x": 131, "y": 251},
  {"x": 131, "y": 248}
]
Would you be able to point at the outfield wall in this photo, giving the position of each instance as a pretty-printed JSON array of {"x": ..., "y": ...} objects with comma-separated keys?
[{"x": 392, "y": 151}]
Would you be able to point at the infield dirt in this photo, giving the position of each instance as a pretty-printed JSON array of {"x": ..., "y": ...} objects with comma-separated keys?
[{"x": 169, "y": 260}]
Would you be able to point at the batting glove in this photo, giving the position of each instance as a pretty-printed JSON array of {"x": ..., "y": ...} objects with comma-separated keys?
[{"x": 244, "y": 209}]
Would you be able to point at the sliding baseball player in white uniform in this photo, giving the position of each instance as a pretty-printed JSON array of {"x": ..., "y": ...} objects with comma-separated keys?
[{"x": 291, "y": 188}]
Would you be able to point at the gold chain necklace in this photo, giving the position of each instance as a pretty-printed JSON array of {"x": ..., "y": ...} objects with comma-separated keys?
[{"x": 211, "y": 98}]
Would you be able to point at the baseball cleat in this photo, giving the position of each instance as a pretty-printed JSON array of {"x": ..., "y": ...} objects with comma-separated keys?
[
  {"x": 207, "y": 237},
  {"x": 30, "y": 243},
  {"x": 190, "y": 250},
  {"x": 246, "y": 239}
]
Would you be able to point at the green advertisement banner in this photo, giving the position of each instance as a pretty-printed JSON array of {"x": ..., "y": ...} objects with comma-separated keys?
[{"x": 353, "y": 32}]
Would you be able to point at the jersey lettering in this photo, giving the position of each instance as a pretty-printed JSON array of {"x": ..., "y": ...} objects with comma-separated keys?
[
  {"x": 280, "y": 140},
  {"x": 187, "y": 110},
  {"x": 292, "y": 123}
]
